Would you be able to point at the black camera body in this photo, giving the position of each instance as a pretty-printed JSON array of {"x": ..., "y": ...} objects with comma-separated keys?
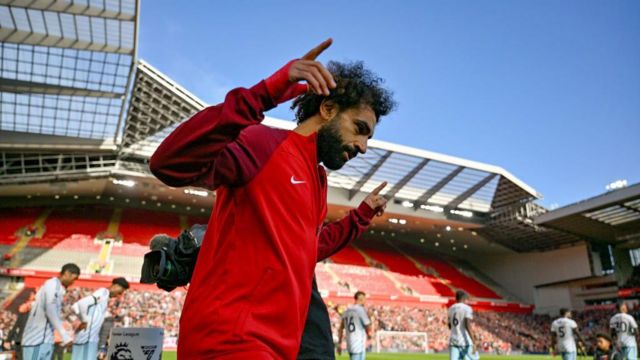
[{"x": 171, "y": 261}]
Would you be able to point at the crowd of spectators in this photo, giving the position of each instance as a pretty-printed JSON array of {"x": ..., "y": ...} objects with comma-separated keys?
[
  {"x": 138, "y": 308},
  {"x": 497, "y": 332}
]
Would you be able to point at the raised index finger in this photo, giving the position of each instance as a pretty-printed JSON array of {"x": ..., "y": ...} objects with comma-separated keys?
[
  {"x": 316, "y": 51},
  {"x": 377, "y": 190}
]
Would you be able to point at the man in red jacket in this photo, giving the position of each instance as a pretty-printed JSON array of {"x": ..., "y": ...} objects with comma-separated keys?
[{"x": 251, "y": 286}]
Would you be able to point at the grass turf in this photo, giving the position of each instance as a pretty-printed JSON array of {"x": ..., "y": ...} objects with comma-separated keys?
[{"x": 373, "y": 356}]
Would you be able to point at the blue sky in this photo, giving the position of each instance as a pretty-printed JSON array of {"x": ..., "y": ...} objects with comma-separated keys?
[{"x": 549, "y": 90}]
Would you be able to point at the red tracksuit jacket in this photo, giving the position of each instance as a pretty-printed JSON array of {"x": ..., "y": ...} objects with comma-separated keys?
[{"x": 250, "y": 290}]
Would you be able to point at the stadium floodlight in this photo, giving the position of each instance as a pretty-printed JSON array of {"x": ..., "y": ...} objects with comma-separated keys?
[
  {"x": 448, "y": 228},
  {"x": 407, "y": 204},
  {"x": 397, "y": 221},
  {"x": 618, "y": 184},
  {"x": 433, "y": 208},
  {"x": 127, "y": 183},
  {"x": 202, "y": 193},
  {"x": 464, "y": 213}
]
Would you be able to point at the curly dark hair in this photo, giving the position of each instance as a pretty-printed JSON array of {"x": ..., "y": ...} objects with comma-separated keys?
[{"x": 356, "y": 85}]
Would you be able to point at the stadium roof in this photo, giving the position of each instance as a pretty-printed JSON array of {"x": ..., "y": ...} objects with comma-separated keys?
[
  {"x": 421, "y": 177},
  {"x": 66, "y": 66},
  {"x": 612, "y": 217},
  {"x": 76, "y": 104}
]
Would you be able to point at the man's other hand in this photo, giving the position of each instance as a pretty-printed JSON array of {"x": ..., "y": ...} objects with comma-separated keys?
[{"x": 376, "y": 201}]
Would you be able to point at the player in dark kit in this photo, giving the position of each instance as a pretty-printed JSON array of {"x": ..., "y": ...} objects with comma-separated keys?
[{"x": 266, "y": 231}]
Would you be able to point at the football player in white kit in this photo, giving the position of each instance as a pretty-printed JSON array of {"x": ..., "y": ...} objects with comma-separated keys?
[
  {"x": 623, "y": 330},
  {"x": 563, "y": 334},
  {"x": 91, "y": 310},
  {"x": 462, "y": 340},
  {"x": 44, "y": 317},
  {"x": 358, "y": 325}
]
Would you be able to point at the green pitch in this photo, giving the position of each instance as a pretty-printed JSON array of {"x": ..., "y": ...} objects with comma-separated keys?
[{"x": 372, "y": 356}]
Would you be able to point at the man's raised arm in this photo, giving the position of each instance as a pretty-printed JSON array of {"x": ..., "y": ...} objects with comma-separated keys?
[
  {"x": 190, "y": 154},
  {"x": 336, "y": 235}
]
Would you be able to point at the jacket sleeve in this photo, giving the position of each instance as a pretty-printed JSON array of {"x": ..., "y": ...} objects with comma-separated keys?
[
  {"x": 336, "y": 235},
  {"x": 197, "y": 152}
]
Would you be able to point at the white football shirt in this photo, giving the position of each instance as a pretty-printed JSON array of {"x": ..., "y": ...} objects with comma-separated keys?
[
  {"x": 626, "y": 329},
  {"x": 356, "y": 320},
  {"x": 44, "y": 316},
  {"x": 458, "y": 315},
  {"x": 91, "y": 309},
  {"x": 563, "y": 328}
]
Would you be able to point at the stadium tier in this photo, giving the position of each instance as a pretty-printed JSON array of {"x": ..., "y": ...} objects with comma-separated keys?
[{"x": 106, "y": 240}]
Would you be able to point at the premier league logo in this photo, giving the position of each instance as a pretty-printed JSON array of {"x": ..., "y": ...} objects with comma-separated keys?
[
  {"x": 148, "y": 351},
  {"x": 122, "y": 352}
]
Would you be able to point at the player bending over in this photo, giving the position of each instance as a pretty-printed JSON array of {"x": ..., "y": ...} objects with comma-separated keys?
[
  {"x": 44, "y": 317},
  {"x": 462, "y": 340},
  {"x": 358, "y": 325},
  {"x": 563, "y": 334},
  {"x": 91, "y": 310},
  {"x": 623, "y": 330}
]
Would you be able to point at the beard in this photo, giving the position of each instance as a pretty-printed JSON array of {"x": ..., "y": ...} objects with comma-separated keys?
[{"x": 331, "y": 147}]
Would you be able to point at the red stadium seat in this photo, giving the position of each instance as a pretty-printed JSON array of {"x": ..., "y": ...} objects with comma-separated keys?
[
  {"x": 350, "y": 256},
  {"x": 139, "y": 226},
  {"x": 14, "y": 219},
  {"x": 460, "y": 280},
  {"x": 72, "y": 223}
]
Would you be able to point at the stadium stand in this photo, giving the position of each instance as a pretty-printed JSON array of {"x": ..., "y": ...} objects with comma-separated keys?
[
  {"x": 105, "y": 142},
  {"x": 498, "y": 332},
  {"x": 112, "y": 240},
  {"x": 458, "y": 279},
  {"x": 349, "y": 255},
  {"x": 138, "y": 226}
]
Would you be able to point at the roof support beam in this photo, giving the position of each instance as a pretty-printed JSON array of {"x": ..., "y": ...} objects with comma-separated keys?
[
  {"x": 363, "y": 180},
  {"x": 28, "y": 87},
  {"x": 437, "y": 187},
  {"x": 470, "y": 191},
  {"x": 400, "y": 184},
  {"x": 70, "y": 7}
]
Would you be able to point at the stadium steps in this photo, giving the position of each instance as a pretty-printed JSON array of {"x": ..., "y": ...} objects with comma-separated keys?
[
  {"x": 103, "y": 264},
  {"x": 402, "y": 287},
  {"x": 328, "y": 280},
  {"x": 24, "y": 237},
  {"x": 442, "y": 286},
  {"x": 15, "y": 219},
  {"x": 334, "y": 277},
  {"x": 459, "y": 280}
]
